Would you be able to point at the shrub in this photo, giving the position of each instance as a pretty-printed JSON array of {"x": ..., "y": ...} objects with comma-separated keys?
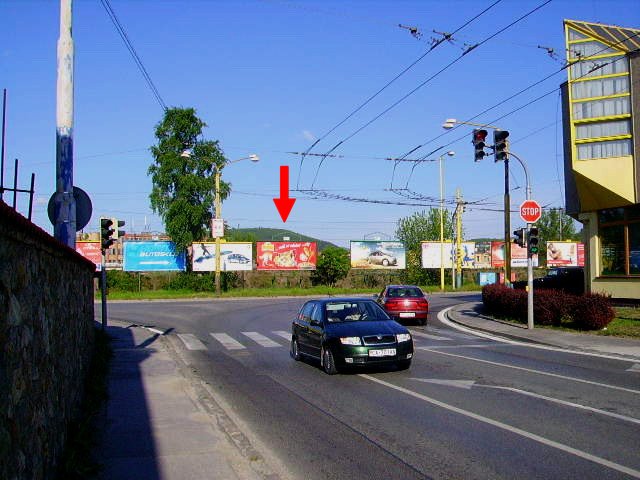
[
  {"x": 593, "y": 312},
  {"x": 550, "y": 307},
  {"x": 505, "y": 302},
  {"x": 122, "y": 281},
  {"x": 193, "y": 281}
]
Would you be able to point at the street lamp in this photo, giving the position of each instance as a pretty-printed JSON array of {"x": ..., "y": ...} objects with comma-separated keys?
[
  {"x": 440, "y": 159},
  {"x": 218, "y": 207}
]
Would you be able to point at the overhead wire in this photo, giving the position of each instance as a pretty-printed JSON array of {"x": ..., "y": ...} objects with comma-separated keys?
[
  {"x": 446, "y": 67},
  {"x": 136, "y": 58},
  {"x": 445, "y": 36}
]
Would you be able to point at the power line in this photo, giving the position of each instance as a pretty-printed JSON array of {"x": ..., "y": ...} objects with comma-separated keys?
[
  {"x": 445, "y": 36},
  {"x": 132, "y": 51},
  {"x": 450, "y": 64}
]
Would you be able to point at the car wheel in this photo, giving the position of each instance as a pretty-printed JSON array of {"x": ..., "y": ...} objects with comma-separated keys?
[
  {"x": 404, "y": 364},
  {"x": 385, "y": 262},
  {"x": 423, "y": 322},
  {"x": 295, "y": 353},
  {"x": 328, "y": 362}
]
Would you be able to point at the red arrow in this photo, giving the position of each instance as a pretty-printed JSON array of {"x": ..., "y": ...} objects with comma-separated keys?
[{"x": 284, "y": 204}]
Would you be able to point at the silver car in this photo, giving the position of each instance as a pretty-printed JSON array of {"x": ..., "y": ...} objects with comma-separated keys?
[{"x": 382, "y": 258}]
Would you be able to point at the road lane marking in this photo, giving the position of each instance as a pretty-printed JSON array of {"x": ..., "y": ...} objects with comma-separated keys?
[
  {"x": 227, "y": 342},
  {"x": 509, "y": 428},
  {"x": 429, "y": 336},
  {"x": 442, "y": 316},
  {"x": 284, "y": 334},
  {"x": 191, "y": 341},
  {"x": 468, "y": 384},
  {"x": 531, "y": 370},
  {"x": 261, "y": 339},
  {"x": 634, "y": 368}
]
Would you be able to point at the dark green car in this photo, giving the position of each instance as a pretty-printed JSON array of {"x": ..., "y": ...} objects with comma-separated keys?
[{"x": 349, "y": 332}]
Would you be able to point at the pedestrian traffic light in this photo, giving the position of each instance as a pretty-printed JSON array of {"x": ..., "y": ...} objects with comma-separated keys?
[
  {"x": 533, "y": 240},
  {"x": 500, "y": 144},
  {"x": 106, "y": 233},
  {"x": 520, "y": 237},
  {"x": 116, "y": 225},
  {"x": 478, "y": 139}
]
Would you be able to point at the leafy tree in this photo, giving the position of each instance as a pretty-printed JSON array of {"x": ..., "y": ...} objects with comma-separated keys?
[
  {"x": 333, "y": 265},
  {"x": 183, "y": 187},
  {"x": 419, "y": 227},
  {"x": 554, "y": 224}
]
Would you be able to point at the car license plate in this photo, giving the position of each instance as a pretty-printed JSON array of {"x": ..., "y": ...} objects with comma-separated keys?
[
  {"x": 407, "y": 314},
  {"x": 386, "y": 352}
]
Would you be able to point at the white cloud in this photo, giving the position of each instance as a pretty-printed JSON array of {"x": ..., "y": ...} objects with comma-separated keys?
[{"x": 308, "y": 135}]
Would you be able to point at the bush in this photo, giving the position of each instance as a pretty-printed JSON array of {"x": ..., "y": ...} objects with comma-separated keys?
[
  {"x": 551, "y": 307},
  {"x": 505, "y": 302},
  {"x": 122, "y": 281},
  {"x": 193, "y": 281},
  {"x": 593, "y": 312}
]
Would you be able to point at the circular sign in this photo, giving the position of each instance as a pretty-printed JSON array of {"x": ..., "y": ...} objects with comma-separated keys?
[
  {"x": 530, "y": 211},
  {"x": 84, "y": 208}
]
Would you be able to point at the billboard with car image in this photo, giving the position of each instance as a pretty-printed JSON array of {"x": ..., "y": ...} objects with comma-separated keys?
[
  {"x": 234, "y": 256},
  {"x": 378, "y": 254}
]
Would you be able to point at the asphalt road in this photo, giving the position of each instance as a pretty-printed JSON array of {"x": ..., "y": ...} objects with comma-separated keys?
[{"x": 467, "y": 407}]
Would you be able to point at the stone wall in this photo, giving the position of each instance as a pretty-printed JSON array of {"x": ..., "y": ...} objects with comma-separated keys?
[{"x": 46, "y": 341}]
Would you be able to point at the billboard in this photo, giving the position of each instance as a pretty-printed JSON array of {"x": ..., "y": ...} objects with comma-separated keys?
[
  {"x": 474, "y": 255},
  {"x": 518, "y": 255},
  {"x": 91, "y": 251},
  {"x": 152, "y": 257},
  {"x": 431, "y": 254},
  {"x": 286, "y": 255},
  {"x": 372, "y": 254},
  {"x": 565, "y": 254},
  {"x": 234, "y": 256}
]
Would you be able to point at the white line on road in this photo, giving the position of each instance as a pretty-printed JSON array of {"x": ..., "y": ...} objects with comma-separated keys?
[
  {"x": 261, "y": 339},
  {"x": 531, "y": 370},
  {"x": 509, "y": 428},
  {"x": 227, "y": 342},
  {"x": 191, "y": 341},
  {"x": 284, "y": 334},
  {"x": 430, "y": 337}
]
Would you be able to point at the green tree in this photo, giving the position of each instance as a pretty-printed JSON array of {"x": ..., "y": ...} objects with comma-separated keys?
[
  {"x": 183, "y": 187},
  {"x": 554, "y": 224},
  {"x": 333, "y": 265}
]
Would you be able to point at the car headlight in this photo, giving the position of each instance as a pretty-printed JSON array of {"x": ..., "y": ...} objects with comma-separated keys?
[
  {"x": 350, "y": 341},
  {"x": 403, "y": 337}
]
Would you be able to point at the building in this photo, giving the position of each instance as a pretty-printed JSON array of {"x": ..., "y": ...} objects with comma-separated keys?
[{"x": 601, "y": 124}]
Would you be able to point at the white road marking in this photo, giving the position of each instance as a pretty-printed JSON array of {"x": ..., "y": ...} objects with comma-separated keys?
[
  {"x": 483, "y": 345},
  {"x": 227, "y": 342},
  {"x": 426, "y": 335},
  {"x": 261, "y": 339},
  {"x": 509, "y": 428},
  {"x": 442, "y": 316},
  {"x": 634, "y": 368},
  {"x": 468, "y": 384},
  {"x": 284, "y": 334},
  {"x": 531, "y": 370},
  {"x": 191, "y": 341}
]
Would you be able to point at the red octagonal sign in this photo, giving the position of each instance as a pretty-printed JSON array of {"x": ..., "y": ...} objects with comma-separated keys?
[{"x": 530, "y": 211}]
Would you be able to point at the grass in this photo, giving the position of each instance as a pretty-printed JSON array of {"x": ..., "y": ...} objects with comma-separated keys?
[{"x": 625, "y": 324}]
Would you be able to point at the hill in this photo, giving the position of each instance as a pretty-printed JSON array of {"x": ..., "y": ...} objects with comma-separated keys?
[{"x": 260, "y": 234}]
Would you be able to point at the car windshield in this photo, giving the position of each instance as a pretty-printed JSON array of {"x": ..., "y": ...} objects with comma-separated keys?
[
  {"x": 404, "y": 292},
  {"x": 354, "y": 311}
]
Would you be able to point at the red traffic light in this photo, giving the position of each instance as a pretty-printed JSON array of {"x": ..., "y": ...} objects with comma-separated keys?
[
  {"x": 478, "y": 139},
  {"x": 479, "y": 136}
]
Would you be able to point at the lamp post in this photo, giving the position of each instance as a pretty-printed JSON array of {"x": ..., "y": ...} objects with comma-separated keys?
[
  {"x": 451, "y": 123},
  {"x": 218, "y": 208},
  {"x": 440, "y": 159}
]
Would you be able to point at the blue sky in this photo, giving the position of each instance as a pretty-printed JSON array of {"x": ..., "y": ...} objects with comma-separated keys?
[{"x": 271, "y": 76}]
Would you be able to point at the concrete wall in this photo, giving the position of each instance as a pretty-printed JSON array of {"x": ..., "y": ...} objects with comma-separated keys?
[{"x": 46, "y": 341}]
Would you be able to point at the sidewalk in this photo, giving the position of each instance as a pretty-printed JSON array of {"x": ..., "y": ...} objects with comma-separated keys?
[
  {"x": 470, "y": 315},
  {"x": 162, "y": 423}
]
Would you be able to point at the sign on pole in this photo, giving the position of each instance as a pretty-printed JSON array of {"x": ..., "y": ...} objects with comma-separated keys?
[{"x": 530, "y": 211}]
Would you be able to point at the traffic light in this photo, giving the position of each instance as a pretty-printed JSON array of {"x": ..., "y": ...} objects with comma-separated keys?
[
  {"x": 106, "y": 233},
  {"x": 520, "y": 237},
  {"x": 533, "y": 241},
  {"x": 500, "y": 144},
  {"x": 478, "y": 139},
  {"x": 116, "y": 225}
]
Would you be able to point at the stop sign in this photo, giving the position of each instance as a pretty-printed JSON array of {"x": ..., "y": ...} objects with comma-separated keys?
[{"x": 530, "y": 211}]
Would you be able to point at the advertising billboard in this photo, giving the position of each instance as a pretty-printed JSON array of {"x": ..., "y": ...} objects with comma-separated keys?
[
  {"x": 234, "y": 256},
  {"x": 518, "y": 255},
  {"x": 286, "y": 255},
  {"x": 474, "y": 255},
  {"x": 90, "y": 251},
  {"x": 152, "y": 257},
  {"x": 565, "y": 254},
  {"x": 371, "y": 254},
  {"x": 431, "y": 254}
]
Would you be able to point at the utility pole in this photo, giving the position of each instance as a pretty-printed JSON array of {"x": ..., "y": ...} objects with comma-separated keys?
[
  {"x": 64, "y": 226},
  {"x": 459, "y": 255}
]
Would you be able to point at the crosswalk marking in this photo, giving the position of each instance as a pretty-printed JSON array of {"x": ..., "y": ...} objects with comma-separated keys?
[
  {"x": 228, "y": 342},
  {"x": 283, "y": 334},
  {"x": 261, "y": 339},
  {"x": 191, "y": 341},
  {"x": 430, "y": 337}
]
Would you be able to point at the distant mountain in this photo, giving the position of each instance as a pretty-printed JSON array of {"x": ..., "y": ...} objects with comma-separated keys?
[{"x": 260, "y": 234}]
